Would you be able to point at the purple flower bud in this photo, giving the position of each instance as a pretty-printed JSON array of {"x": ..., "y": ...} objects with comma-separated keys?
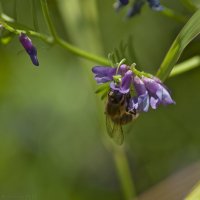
[
  {"x": 30, "y": 49},
  {"x": 159, "y": 94},
  {"x": 123, "y": 69},
  {"x": 103, "y": 74},
  {"x": 155, "y": 5}
]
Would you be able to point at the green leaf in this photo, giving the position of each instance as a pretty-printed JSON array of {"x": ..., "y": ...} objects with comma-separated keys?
[
  {"x": 195, "y": 194},
  {"x": 186, "y": 35},
  {"x": 6, "y": 40},
  {"x": 102, "y": 88}
]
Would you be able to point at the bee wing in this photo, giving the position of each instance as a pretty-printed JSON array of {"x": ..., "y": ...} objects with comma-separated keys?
[{"x": 114, "y": 130}]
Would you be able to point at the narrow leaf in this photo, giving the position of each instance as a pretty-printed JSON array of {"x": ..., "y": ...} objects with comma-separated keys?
[{"x": 186, "y": 35}]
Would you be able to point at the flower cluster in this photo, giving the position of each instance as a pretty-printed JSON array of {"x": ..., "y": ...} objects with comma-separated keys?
[
  {"x": 137, "y": 6},
  {"x": 145, "y": 91},
  {"x": 30, "y": 49}
]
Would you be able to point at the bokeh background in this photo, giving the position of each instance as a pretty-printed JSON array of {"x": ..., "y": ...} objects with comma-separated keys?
[{"x": 52, "y": 123}]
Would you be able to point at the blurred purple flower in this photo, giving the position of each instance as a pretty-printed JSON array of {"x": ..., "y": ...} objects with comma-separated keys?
[
  {"x": 135, "y": 9},
  {"x": 155, "y": 5},
  {"x": 30, "y": 49},
  {"x": 137, "y": 6},
  {"x": 124, "y": 2}
]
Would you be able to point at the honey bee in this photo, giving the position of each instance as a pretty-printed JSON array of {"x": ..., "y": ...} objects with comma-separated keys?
[{"x": 118, "y": 114}]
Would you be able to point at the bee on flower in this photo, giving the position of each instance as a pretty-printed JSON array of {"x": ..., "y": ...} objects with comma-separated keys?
[{"x": 130, "y": 93}]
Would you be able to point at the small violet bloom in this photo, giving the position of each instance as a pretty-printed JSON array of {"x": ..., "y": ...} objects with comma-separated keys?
[
  {"x": 137, "y": 6},
  {"x": 30, "y": 49},
  {"x": 103, "y": 74},
  {"x": 135, "y": 9},
  {"x": 155, "y": 5},
  {"x": 124, "y": 86},
  {"x": 141, "y": 101},
  {"x": 158, "y": 92},
  {"x": 146, "y": 91}
]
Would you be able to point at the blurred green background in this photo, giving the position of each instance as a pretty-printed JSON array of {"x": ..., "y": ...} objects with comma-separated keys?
[{"x": 52, "y": 122}]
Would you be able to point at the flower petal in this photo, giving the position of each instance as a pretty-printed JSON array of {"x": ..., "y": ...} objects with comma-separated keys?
[
  {"x": 139, "y": 86},
  {"x": 103, "y": 74},
  {"x": 126, "y": 82},
  {"x": 124, "y": 2},
  {"x": 154, "y": 102},
  {"x": 164, "y": 96},
  {"x": 135, "y": 9},
  {"x": 155, "y": 5},
  {"x": 143, "y": 102}
]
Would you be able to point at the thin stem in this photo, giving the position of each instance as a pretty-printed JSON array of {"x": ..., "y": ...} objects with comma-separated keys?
[
  {"x": 189, "y": 5},
  {"x": 48, "y": 19},
  {"x": 82, "y": 53},
  {"x": 34, "y": 14},
  {"x": 43, "y": 37},
  {"x": 66, "y": 45},
  {"x": 60, "y": 42},
  {"x": 185, "y": 66},
  {"x": 124, "y": 173},
  {"x": 174, "y": 15}
]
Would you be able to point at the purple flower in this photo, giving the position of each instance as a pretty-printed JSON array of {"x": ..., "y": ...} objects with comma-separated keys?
[
  {"x": 146, "y": 91},
  {"x": 124, "y": 86},
  {"x": 103, "y": 74},
  {"x": 137, "y": 6},
  {"x": 30, "y": 49},
  {"x": 158, "y": 92},
  {"x": 155, "y": 5},
  {"x": 135, "y": 9},
  {"x": 124, "y": 2},
  {"x": 141, "y": 101}
]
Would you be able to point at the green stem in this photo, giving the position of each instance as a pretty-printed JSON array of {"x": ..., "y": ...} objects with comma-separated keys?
[
  {"x": 30, "y": 32},
  {"x": 66, "y": 45},
  {"x": 48, "y": 19},
  {"x": 82, "y": 53},
  {"x": 174, "y": 15},
  {"x": 189, "y": 5},
  {"x": 59, "y": 41},
  {"x": 185, "y": 66},
  {"x": 124, "y": 173}
]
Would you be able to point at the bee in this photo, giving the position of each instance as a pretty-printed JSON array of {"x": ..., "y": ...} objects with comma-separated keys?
[{"x": 118, "y": 114}]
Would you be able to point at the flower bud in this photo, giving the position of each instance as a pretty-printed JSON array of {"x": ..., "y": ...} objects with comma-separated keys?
[{"x": 30, "y": 49}]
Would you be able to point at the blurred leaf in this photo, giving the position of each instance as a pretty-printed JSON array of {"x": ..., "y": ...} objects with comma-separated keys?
[
  {"x": 195, "y": 194},
  {"x": 6, "y": 40},
  {"x": 186, "y": 35},
  {"x": 7, "y": 18},
  {"x": 102, "y": 88}
]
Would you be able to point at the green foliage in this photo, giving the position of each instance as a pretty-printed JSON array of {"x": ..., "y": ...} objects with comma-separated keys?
[{"x": 186, "y": 35}]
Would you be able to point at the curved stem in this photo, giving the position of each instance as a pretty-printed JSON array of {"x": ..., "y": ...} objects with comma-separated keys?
[
  {"x": 48, "y": 19},
  {"x": 124, "y": 173},
  {"x": 66, "y": 45},
  {"x": 189, "y": 5},
  {"x": 174, "y": 15},
  {"x": 82, "y": 53}
]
